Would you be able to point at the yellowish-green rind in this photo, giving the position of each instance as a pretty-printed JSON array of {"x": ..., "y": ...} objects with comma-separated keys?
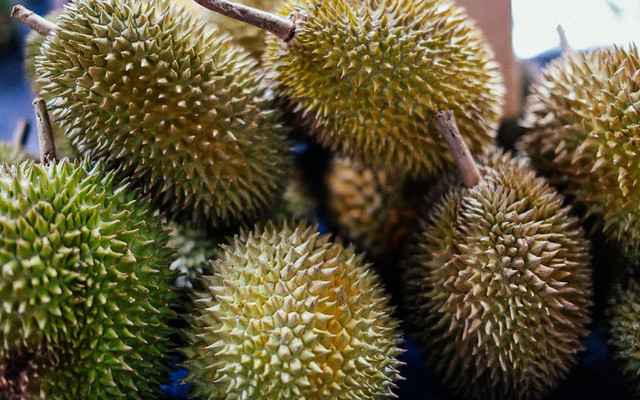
[
  {"x": 370, "y": 75},
  {"x": 166, "y": 100},
  {"x": 85, "y": 284},
  {"x": 288, "y": 314},
  {"x": 13, "y": 155},
  {"x": 624, "y": 334},
  {"x": 498, "y": 285},
  {"x": 361, "y": 202},
  {"x": 584, "y": 135}
]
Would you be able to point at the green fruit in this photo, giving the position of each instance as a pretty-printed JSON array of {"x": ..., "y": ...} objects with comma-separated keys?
[
  {"x": 297, "y": 202},
  {"x": 86, "y": 284},
  {"x": 625, "y": 334},
  {"x": 584, "y": 135},
  {"x": 289, "y": 314},
  {"x": 367, "y": 206},
  {"x": 163, "y": 98},
  {"x": 245, "y": 35},
  {"x": 370, "y": 76},
  {"x": 195, "y": 249},
  {"x": 498, "y": 285},
  {"x": 13, "y": 155}
]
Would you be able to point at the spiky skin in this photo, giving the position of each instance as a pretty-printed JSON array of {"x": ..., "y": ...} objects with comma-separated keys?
[
  {"x": 371, "y": 75},
  {"x": 361, "y": 202},
  {"x": 297, "y": 202},
  {"x": 499, "y": 286},
  {"x": 289, "y": 314},
  {"x": 32, "y": 48},
  {"x": 583, "y": 118},
  {"x": 164, "y": 98},
  {"x": 13, "y": 155},
  {"x": 248, "y": 36},
  {"x": 194, "y": 250},
  {"x": 624, "y": 334},
  {"x": 85, "y": 278}
]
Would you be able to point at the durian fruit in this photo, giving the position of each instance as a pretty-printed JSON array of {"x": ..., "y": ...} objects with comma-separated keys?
[
  {"x": 250, "y": 37},
  {"x": 370, "y": 75},
  {"x": 195, "y": 249},
  {"x": 162, "y": 97},
  {"x": 85, "y": 289},
  {"x": 297, "y": 202},
  {"x": 32, "y": 48},
  {"x": 584, "y": 135},
  {"x": 13, "y": 153},
  {"x": 367, "y": 206},
  {"x": 624, "y": 333},
  {"x": 289, "y": 314},
  {"x": 498, "y": 284}
]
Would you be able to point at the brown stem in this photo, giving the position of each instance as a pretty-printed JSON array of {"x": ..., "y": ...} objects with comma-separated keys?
[
  {"x": 33, "y": 20},
  {"x": 564, "y": 43},
  {"x": 461, "y": 154},
  {"x": 21, "y": 133},
  {"x": 283, "y": 28},
  {"x": 45, "y": 133}
]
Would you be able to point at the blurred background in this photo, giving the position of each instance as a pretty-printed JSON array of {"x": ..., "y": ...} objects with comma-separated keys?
[{"x": 524, "y": 36}]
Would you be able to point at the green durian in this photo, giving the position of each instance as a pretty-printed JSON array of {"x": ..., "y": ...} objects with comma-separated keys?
[
  {"x": 32, "y": 48},
  {"x": 498, "y": 285},
  {"x": 162, "y": 97},
  {"x": 297, "y": 202},
  {"x": 248, "y": 36},
  {"x": 289, "y": 314},
  {"x": 370, "y": 75},
  {"x": 85, "y": 288},
  {"x": 367, "y": 206},
  {"x": 584, "y": 135},
  {"x": 624, "y": 334}
]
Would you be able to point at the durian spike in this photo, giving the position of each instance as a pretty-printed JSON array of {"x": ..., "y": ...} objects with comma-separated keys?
[
  {"x": 21, "y": 133},
  {"x": 45, "y": 133},
  {"x": 564, "y": 43},
  {"x": 283, "y": 28},
  {"x": 32, "y": 20},
  {"x": 459, "y": 150}
]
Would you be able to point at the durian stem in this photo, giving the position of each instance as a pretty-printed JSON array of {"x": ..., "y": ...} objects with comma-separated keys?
[
  {"x": 461, "y": 154},
  {"x": 564, "y": 43},
  {"x": 283, "y": 28},
  {"x": 21, "y": 133},
  {"x": 45, "y": 133},
  {"x": 33, "y": 20}
]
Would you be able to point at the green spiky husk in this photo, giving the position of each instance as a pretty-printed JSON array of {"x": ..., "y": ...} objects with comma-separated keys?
[
  {"x": 624, "y": 334},
  {"x": 485, "y": 263},
  {"x": 363, "y": 203},
  {"x": 194, "y": 250},
  {"x": 584, "y": 135},
  {"x": 85, "y": 279},
  {"x": 370, "y": 76},
  {"x": 297, "y": 202},
  {"x": 162, "y": 97},
  {"x": 289, "y": 314},
  {"x": 13, "y": 155}
]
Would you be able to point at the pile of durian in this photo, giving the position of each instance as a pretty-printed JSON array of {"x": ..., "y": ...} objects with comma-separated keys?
[{"x": 173, "y": 221}]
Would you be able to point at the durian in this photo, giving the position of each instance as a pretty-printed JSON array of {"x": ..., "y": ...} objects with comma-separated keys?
[
  {"x": 85, "y": 288},
  {"x": 584, "y": 135},
  {"x": 289, "y": 314},
  {"x": 370, "y": 75},
  {"x": 32, "y": 48},
  {"x": 297, "y": 202},
  {"x": 498, "y": 284},
  {"x": 157, "y": 94},
  {"x": 194, "y": 249},
  {"x": 367, "y": 206},
  {"x": 624, "y": 334},
  {"x": 13, "y": 153}
]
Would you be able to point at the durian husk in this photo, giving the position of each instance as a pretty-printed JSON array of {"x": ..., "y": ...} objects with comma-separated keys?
[
  {"x": 498, "y": 284},
  {"x": 368, "y": 77},
  {"x": 169, "y": 103},
  {"x": 583, "y": 135},
  {"x": 624, "y": 334},
  {"x": 288, "y": 314},
  {"x": 13, "y": 155}
]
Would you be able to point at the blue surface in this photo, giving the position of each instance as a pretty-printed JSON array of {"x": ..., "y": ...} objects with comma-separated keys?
[{"x": 594, "y": 378}]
